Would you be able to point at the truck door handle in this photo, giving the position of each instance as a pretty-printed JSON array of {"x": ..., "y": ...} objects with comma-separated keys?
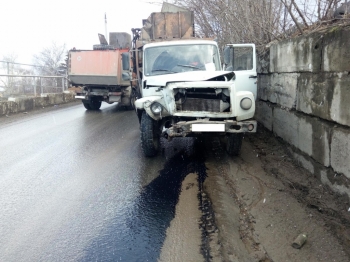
[{"x": 253, "y": 76}]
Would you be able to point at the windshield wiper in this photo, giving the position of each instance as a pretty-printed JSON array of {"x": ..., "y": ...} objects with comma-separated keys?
[
  {"x": 162, "y": 70},
  {"x": 192, "y": 66}
]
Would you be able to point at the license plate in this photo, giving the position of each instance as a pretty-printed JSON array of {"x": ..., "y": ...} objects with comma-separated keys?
[{"x": 208, "y": 127}]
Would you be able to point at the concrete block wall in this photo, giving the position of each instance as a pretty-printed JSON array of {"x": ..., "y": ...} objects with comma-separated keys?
[
  {"x": 304, "y": 98},
  {"x": 23, "y": 104}
]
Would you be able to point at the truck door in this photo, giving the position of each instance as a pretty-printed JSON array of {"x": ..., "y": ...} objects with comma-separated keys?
[{"x": 241, "y": 59}]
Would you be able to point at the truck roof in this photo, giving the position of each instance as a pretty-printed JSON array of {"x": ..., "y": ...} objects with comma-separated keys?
[{"x": 182, "y": 42}]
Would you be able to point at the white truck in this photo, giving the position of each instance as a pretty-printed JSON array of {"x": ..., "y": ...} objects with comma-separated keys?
[{"x": 181, "y": 89}]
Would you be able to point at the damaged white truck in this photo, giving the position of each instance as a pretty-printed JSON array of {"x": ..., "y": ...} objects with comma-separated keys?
[{"x": 181, "y": 89}]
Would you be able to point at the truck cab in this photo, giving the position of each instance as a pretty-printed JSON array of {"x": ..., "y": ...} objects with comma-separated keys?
[{"x": 183, "y": 91}]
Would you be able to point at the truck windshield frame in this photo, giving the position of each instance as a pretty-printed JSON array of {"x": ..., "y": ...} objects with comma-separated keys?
[{"x": 170, "y": 59}]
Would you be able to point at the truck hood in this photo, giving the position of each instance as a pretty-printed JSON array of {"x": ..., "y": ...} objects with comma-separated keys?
[{"x": 162, "y": 80}]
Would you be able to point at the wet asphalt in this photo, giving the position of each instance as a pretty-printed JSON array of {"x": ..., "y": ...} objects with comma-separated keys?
[{"x": 75, "y": 186}]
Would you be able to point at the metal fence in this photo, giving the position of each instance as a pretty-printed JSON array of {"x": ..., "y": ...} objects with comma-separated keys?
[
  {"x": 18, "y": 79},
  {"x": 32, "y": 85}
]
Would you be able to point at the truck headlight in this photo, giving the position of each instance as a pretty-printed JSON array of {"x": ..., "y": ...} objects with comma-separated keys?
[
  {"x": 246, "y": 103},
  {"x": 156, "y": 108}
]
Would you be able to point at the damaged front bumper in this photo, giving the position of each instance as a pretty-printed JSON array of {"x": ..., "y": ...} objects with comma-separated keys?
[{"x": 187, "y": 128}]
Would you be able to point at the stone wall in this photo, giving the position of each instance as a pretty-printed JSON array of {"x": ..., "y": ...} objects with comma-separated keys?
[
  {"x": 304, "y": 98},
  {"x": 23, "y": 104}
]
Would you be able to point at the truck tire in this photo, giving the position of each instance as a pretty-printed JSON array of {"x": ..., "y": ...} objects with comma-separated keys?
[
  {"x": 87, "y": 105},
  {"x": 95, "y": 105},
  {"x": 234, "y": 144},
  {"x": 133, "y": 98},
  {"x": 149, "y": 135},
  {"x": 92, "y": 104}
]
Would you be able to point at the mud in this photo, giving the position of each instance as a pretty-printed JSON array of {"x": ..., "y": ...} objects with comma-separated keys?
[
  {"x": 262, "y": 201},
  {"x": 252, "y": 207}
]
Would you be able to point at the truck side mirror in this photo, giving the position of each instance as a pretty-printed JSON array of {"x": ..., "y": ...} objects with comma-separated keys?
[
  {"x": 126, "y": 61},
  {"x": 126, "y": 76}
]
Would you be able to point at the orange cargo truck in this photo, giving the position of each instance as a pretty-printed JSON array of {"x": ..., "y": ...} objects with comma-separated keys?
[{"x": 102, "y": 73}]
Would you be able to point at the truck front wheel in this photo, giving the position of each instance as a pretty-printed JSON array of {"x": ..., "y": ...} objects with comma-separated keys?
[
  {"x": 149, "y": 135},
  {"x": 234, "y": 144}
]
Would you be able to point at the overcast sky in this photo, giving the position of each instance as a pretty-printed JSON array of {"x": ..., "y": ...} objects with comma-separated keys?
[{"x": 27, "y": 27}]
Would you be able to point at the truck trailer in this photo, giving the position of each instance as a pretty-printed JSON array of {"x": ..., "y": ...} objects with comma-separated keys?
[{"x": 102, "y": 73}]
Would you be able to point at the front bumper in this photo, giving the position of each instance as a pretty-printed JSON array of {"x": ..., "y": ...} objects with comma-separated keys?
[
  {"x": 109, "y": 97},
  {"x": 186, "y": 128}
]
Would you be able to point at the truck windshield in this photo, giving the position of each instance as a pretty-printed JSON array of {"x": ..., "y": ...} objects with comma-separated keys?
[{"x": 171, "y": 59}]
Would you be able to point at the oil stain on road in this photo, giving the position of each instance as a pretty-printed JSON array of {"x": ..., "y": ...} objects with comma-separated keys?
[{"x": 139, "y": 234}]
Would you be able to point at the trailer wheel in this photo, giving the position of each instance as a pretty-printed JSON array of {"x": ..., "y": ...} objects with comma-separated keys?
[
  {"x": 149, "y": 135},
  {"x": 234, "y": 144},
  {"x": 92, "y": 104},
  {"x": 95, "y": 105}
]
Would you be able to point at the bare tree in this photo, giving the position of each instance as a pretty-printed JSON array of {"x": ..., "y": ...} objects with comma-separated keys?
[
  {"x": 50, "y": 59},
  {"x": 50, "y": 62},
  {"x": 311, "y": 11},
  {"x": 256, "y": 21},
  {"x": 236, "y": 21}
]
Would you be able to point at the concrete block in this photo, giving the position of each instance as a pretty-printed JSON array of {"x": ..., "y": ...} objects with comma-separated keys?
[
  {"x": 285, "y": 125},
  {"x": 12, "y": 107},
  {"x": 325, "y": 95},
  {"x": 19, "y": 104},
  {"x": 305, "y": 139},
  {"x": 263, "y": 114},
  {"x": 263, "y": 62},
  {"x": 55, "y": 99},
  {"x": 3, "y": 108},
  {"x": 340, "y": 151},
  {"x": 68, "y": 97},
  {"x": 280, "y": 89},
  {"x": 263, "y": 86},
  {"x": 304, "y": 162},
  {"x": 320, "y": 134},
  {"x": 337, "y": 182},
  {"x": 24, "y": 104},
  {"x": 339, "y": 185},
  {"x": 41, "y": 102},
  {"x": 307, "y": 134},
  {"x": 339, "y": 108},
  {"x": 336, "y": 51},
  {"x": 302, "y": 54}
]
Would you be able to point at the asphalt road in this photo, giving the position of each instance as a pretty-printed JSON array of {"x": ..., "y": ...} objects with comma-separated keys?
[{"x": 75, "y": 186}]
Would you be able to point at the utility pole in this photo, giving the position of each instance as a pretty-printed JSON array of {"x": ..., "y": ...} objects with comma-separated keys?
[{"x": 106, "y": 28}]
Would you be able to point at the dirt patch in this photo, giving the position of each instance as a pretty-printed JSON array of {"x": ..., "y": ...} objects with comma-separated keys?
[
  {"x": 184, "y": 234},
  {"x": 262, "y": 201}
]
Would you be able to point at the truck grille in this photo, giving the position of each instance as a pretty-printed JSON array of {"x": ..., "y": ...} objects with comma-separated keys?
[
  {"x": 197, "y": 104},
  {"x": 201, "y": 99}
]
